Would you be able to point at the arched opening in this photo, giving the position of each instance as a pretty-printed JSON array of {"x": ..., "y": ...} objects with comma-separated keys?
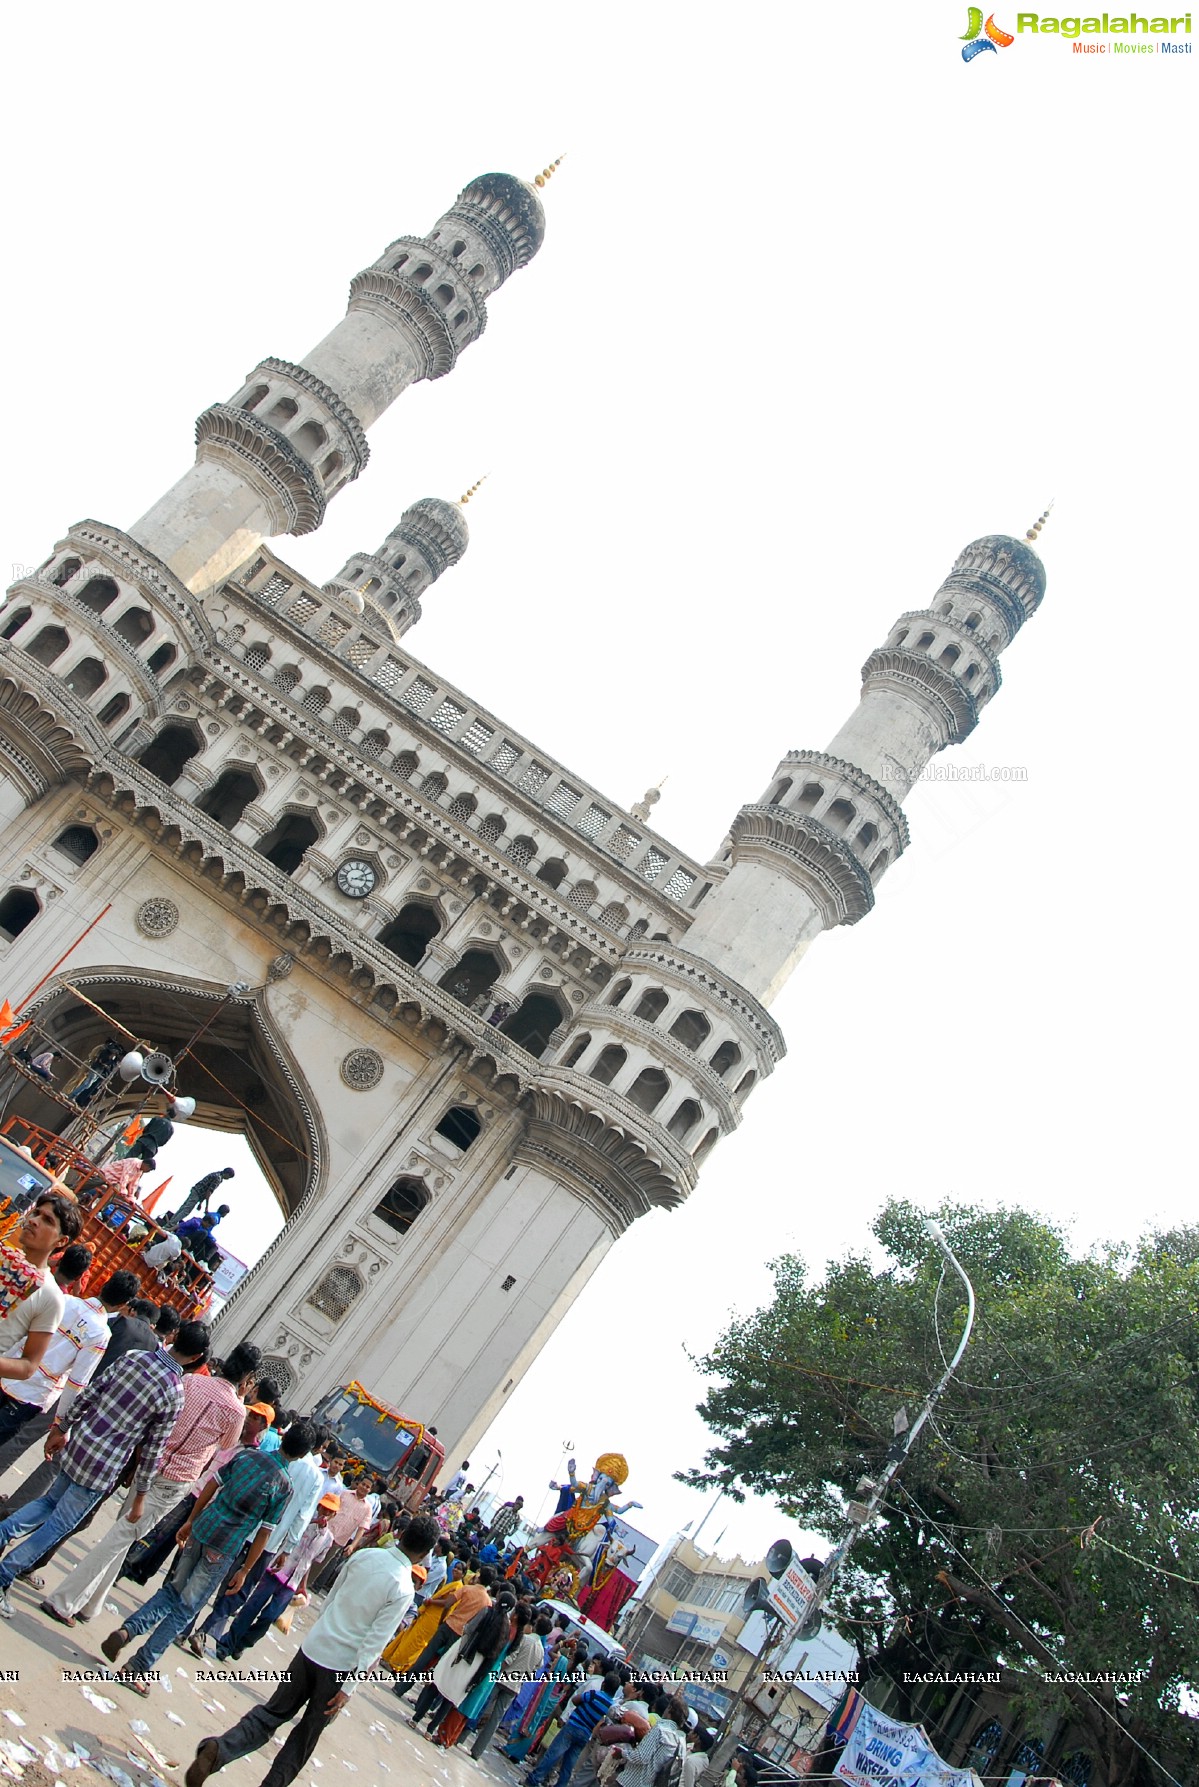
[
  {"x": 285, "y": 410},
  {"x": 78, "y": 843},
  {"x": 18, "y": 909},
  {"x": 310, "y": 438},
  {"x": 315, "y": 700},
  {"x": 258, "y": 655},
  {"x": 810, "y": 796},
  {"x": 651, "y": 1005},
  {"x": 867, "y": 836},
  {"x": 85, "y": 677},
  {"x": 879, "y": 864},
  {"x": 684, "y": 1120},
  {"x": 15, "y": 622},
  {"x": 533, "y": 1022},
  {"x": 473, "y": 977},
  {"x": 972, "y": 622},
  {"x": 114, "y": 710},
  {"x": 134, "y": 626},
  {"x": 229, "y": 797},
  {"x": 521, "y": 852},
  {"x": 287, "y": 843},
  {"x": 706, "y": 1146},
  {"x": 99, "y": 593},
  {"x": 48, "y": 645},
  {"x": 583, "y": 895},
  {"x": 332, "y": 465},
  {"x": 746, "y": 1084},
  {"x": 434, "y": 786},
  {"x": 924, "y": 641},
  {"x": 552, "y": 872},
  {"x": 691, "y": 1028},
  {"x": 615, "y": 914},
  {"x": 255, "y": 398},
  {"x": 168, "y": 752},
  {"x": 410, "y": 933},
  {"x": 462, "y": 808},
  {"x": 648, "y": 1089},
  {"x": 65, "y": 572},
  {"x": 609, "y": 1063},
  {"x": 779, "y": 792},
  {"x": 459, "y": 1126},
  {"x": 402, "y": 1203},
  {"x": 727, "y": 1056},
  {"x": 406, "y": 765},
  {"x": 576, "y": 1051},
  {"x": 619, "y": 990},
  {"x": 375, "y": 743},
  {"x": 840, "y": 815},
  {"x": 491, "y": 828},
  {"x": 950, "y": 656},
  {"x": 162, "y": 659}
]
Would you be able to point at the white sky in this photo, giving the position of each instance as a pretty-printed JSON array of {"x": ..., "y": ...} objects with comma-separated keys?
[{"x": 817, "y": 305}]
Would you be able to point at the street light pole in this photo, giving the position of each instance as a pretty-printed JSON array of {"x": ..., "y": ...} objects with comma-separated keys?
[{"x": 862, "y": 1513}]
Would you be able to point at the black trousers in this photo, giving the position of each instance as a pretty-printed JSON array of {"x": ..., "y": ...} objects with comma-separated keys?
[{"x": 305, "y": 1694}]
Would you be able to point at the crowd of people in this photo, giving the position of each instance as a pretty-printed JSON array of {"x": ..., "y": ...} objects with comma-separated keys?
[{"x": 252, "y": 1509}]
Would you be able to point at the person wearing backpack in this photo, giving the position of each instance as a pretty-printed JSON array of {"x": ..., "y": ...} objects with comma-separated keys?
[{"x": 657, "y": 1761}]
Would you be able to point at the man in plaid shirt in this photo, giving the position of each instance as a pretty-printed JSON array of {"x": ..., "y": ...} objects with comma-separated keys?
[
  {"x": 132, "y": 1405},
  {"x": 246, "y": 1497}
]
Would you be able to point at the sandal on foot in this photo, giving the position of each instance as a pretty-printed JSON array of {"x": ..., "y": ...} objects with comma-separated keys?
[{"x": 114, "y": 1644}]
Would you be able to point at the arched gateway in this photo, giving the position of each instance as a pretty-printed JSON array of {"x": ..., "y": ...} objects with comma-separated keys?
[{"x": 490, "y": 1015}]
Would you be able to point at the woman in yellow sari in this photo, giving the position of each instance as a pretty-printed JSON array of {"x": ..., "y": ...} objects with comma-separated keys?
[{"x": 407, "y": 1645}]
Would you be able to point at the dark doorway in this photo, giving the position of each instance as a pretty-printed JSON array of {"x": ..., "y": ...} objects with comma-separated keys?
[
  {"x": 288, "y": 843},
  {"x": 410, "y": 933}
]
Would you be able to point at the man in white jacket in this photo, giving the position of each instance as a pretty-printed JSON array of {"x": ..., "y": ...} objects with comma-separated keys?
[{"x": 366, "y": 1605}]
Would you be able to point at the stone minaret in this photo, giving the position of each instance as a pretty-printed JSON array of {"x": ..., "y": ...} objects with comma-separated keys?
[
  {"x": 810, "y": 853},
  {"x": 429, "y": 537},
  {"x": 268, "y": 461}
]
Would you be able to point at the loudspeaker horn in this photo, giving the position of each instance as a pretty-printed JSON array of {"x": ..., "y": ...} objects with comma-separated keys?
[
  {"x": 779, "y": 1557},
  {"x": 756, "y": 1598},
  {"x": 157, "y": 1068}
]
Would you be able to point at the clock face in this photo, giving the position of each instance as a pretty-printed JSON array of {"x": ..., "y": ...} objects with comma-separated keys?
[{"x": 356, "y": 877}]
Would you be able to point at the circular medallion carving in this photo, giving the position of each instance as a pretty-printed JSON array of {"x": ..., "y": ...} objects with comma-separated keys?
[
  {"x": 157, "y": 918},
  {"x": 547, "y": 973},
  {"x": 362, "y": 1069}
]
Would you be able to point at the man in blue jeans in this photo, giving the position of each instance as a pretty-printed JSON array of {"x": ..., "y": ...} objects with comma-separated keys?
[
  {"x": 246, "y": 1497},
  {"x": 131, "y": 1405},
  {"x": 588, "y": 1709},
  {"x": 285, "y": 1577}
]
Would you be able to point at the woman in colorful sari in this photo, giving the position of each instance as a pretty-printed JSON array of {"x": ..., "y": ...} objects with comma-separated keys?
[
  {"x": 407, "y": 1645},
  {"x": 471, "y": 1708},
  {"x": 548, "y": 1695}
]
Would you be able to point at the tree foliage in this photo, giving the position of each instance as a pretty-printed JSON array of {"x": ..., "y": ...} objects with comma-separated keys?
[{"x": 1071, "y": 1427}]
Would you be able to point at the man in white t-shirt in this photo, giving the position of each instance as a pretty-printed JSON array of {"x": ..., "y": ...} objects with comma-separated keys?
[
  {"x": 31, "y": 1303},
  {"x": 70, "y": 1359}
]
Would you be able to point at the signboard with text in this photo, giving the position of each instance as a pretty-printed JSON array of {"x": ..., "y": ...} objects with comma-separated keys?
[{"x": 792, "y": 1593}]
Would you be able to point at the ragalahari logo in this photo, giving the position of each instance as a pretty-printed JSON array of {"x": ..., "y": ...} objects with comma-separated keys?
[{"x": 979, "y": 37}]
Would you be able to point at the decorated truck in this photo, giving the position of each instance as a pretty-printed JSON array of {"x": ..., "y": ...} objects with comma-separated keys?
[{"x": 396, "y": 1447}]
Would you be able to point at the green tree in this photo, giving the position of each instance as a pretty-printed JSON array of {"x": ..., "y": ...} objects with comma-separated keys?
[{"x": 1071, "y": 1428}]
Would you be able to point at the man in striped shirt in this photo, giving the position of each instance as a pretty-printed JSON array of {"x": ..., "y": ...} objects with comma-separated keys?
[
  {"x": 587, "y": 1710},
  {"x": 211, "y": 1417},
  {"x": 131, "y": 1406}
]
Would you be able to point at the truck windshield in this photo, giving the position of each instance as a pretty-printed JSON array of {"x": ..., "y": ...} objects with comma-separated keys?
[{"x": 380, "y": 1443}]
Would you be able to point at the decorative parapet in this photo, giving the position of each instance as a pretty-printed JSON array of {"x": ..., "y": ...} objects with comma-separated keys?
[
  {"x": 393, "y": 297},
  {"x": 285, "y": 480},
  {"x": 129, "y": 560},
  {"x": 862, "y": 783},
  {"x": 670, "y": 963},
  {"x": 913, "y": 673},
  {"x": 809, "y": 855},
  {"x": 334, "y": 403}
]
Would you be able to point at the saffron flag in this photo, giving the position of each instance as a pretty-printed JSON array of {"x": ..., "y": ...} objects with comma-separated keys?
[
  {"x": 131, "y": 1134},
  {"x": 151, "y": 1198},
  {"x": 12, "y": 1035},
  {"x": 7, "y": 1015}
]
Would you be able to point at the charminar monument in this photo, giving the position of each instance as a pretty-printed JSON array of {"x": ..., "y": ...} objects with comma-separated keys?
[{"x": 482, "y": 1017}]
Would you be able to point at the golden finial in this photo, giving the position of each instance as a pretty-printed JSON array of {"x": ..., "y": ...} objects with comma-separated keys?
[
  {"x": 467, "y": 494},
  {"x": 1039, "y": 523},
  {"x": 546, "y": 173}
]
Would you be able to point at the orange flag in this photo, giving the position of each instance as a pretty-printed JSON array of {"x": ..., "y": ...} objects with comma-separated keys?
[
  {"x": 151, "y": 1198},
  {"x": 131, "y": 1134},
  {"x": 12, "y": 1035},
  {"x": 7, "y": 1015}
]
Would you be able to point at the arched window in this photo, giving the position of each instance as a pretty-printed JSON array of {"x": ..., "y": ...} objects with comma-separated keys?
[
  {"x": 402, "y": 1203},
  {"x": 85, "y": 678},
  {"x": 434, "y": 786},
  {"x": 491, "y": 828},
  {"x": 98, "y": 593},
  {"x": 347, "y": 721},
  {"x": 618, "y": 991},
  {"x": 534, "y": 1022},
  {"x": 228, "y": 797},
  {"x": 18, "y": 909},
  {"x": 727, "y": 1056},
  {"x": 639, "y": 929},
  {"x": 375, "y": 743},
  {"x": 840, "y": 815},
  {"x": 49, "y": 644},
  {"x": 971, "y": 672},
  {"x": 950, "y": 656},
  {"x": 406, "y": 765},
  {"x": 810, "y": 796},
  {"x": 576, "y": 1051},
  {"x": 287, "y": 843},
  {"x": 114, "y": 710},
  {"x": 410, "y": 933},
  {"x": 924, "y": 641},
  {"x": 779, "y": 792},
  {"x": 684, "y": 1120},
  {"x": 257, "y": 655},
  {"x": 648, "y": 1089},
  {"x": 615, "y": 915},
  {"x": 15, "y": 622},
  {"x": 706, "y": 1146},
  {"x": 422, "y": 273},
  {"x": 552, "y": 872},
  {"x": 459, "y": 1126},
  {"x": 310, "y": 438},
  {"x": 65, "y": 572},
  {"x": 651, "y": 1005},
  {"x": 331, "y": 467},
  {"x": 1076, "y": 1769},
  {"x": 168, "y": 752},
  {"x": 397, "y": 564},
  {"x": 583, "y": 895},
  {"x": 691, "y": 1028},
  {"x": 900, "y": 636},
  {"x": 287, "y": 677},
  {"x": 609, "y": 1064},
  {"x": 256, "y": 396},
  {"x": 337, "y": 1290},
  {"x": 134, "y": 626},
  {"x": 867, "y": 836},
  {"x": 472, "y": 977},
  {"x": 285, "y": 410},
  {"x": 401, "y": 260},
  {"x": 315, "y": 700},
  {"x": 747, "y": 1084},
  {"x": 972, "y": 622},
  {"x": 444, "y": 295},
  {"x": 462, "y": 807},
  {"x": 521, "y": 852},
  {"x": 879, "y": 864},
  {"x": 162, "y": 659},
  {"x": 77, "y": 843},
  {"x": 947, "y": 608},
  {"x": 985, "y": 1747}
]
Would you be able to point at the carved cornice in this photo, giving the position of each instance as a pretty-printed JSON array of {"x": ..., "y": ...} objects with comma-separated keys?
[
  {"x": 668, "y": 1051},
  {"x": 286, "y": 481},
  {"x": 394, "y": 297},
  {"x": 862, "y": 783},
  {"x": 808, "y": 854},
  {"x": 669, "y": 962},
  {"x": 335, "y": 404},
  {"x": 932, "y": 621},
  {"x": 914, "y": 673},
  {"x": 34, "y": 730}
]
